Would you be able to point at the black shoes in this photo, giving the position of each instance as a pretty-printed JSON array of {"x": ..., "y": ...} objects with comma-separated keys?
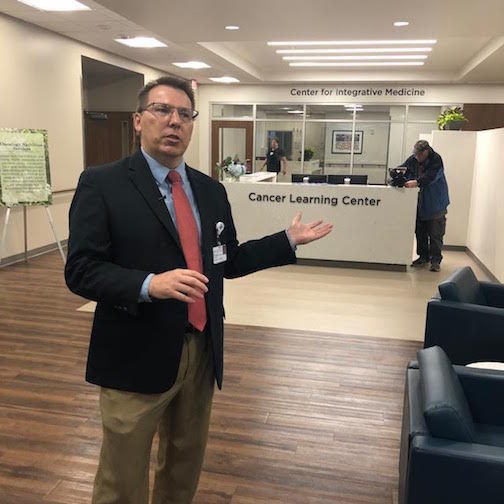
[
  {"x": 419, "y": 262},
  {"x": 422, "y": 261}
]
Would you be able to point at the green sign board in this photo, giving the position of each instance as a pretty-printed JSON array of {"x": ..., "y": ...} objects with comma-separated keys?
[{"x": 24, "y": 167}]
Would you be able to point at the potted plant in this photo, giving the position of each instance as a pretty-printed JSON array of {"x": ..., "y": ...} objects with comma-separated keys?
[
  {"x": 308, "y": 153},
  {"x": 452, "y": 118},
  {"x": 230, "y": 169}
]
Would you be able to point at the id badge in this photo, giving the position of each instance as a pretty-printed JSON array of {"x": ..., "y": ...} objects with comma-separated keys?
[{"x": 219, "y": 254}]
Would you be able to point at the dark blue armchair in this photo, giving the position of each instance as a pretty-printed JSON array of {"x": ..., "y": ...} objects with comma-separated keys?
[
  {"x": 452, "y": 441},
  {"x": 466, "y": 319}
]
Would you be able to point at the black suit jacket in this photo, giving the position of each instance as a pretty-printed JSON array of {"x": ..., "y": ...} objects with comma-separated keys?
[{"x": 120, "y": 231}]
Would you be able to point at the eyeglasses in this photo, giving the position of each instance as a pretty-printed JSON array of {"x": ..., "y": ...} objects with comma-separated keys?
[{"x": 163, "y": 111}]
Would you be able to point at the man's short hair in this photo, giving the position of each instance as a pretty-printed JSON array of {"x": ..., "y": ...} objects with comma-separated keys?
[
  {"x": 421, "y": 146},
  {"x": 173, "y": 82}
]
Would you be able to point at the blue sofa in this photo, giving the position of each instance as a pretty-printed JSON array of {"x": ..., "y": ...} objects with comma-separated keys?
[
  {"x": 452, "y": 441},
  {"x": 466, "y": 319}
]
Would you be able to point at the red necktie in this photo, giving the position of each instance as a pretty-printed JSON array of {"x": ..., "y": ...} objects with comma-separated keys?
[{"x": 189, "y": 238}]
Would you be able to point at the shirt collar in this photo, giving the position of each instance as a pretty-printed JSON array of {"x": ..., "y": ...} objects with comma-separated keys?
[{"x": 160, "y": 172}]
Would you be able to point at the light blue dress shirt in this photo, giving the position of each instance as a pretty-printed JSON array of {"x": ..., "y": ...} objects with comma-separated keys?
[{"x": 160, "y": 174}]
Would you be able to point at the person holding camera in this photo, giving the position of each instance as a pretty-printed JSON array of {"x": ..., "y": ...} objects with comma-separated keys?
[{"x": 425, "y": 170}]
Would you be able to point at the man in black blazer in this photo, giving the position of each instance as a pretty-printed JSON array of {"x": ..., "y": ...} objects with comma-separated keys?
[{"x": 155, "y": 368}]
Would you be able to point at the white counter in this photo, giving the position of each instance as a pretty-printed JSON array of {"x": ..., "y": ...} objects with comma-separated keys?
[
  {"x": 372, "y": 224},
  {"x": 261, "y": 176}
]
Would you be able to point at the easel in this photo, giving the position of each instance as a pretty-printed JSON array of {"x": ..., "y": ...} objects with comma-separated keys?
[
  {"x": 6, "y": 224},
  {"x": 18, "y": 143}
]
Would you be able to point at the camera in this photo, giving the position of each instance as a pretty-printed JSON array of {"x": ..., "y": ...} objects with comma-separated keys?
[{"x": 397, "y": 176}]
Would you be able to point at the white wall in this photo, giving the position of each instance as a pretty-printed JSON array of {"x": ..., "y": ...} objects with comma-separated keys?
[
  {"x": 457, "y": 148},
  {"x": 486, "y": 219},
  {"x": 41, "y": 90}
]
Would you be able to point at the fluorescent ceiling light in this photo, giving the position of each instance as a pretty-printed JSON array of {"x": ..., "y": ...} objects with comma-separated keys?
[
  {"x": 232, "y": 27},
  {"x": 401, "y": 23},
  {"x": 224, "y": 80},
  {"x": 367, "y": 50},
  {"x": 56, "y": 5},
  {"x": 353, "y": 42},
  {"x": 195, "y": 65},
  {"x": 148, "y": 42},
  {"x": 358, "y": 64},
  {"x": 295, "y": 112},
  {"x": 357, "y": 58}
]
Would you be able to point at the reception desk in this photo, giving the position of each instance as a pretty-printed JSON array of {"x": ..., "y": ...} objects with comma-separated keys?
[
  {"x": 261, "y": 176},
  {"x": 372, "y": 224}
]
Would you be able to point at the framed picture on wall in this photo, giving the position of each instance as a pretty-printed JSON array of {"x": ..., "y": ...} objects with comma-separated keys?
[{"x": 342, "y": 142}]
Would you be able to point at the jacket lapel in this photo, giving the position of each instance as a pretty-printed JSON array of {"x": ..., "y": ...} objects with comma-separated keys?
[
  {"x": 141, "y": 176},
  {"x": 204, "y": 201}
]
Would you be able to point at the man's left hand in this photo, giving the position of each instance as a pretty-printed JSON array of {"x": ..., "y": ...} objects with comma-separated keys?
[
  {"x": 411, "y": 183},
  {"x": 301, "y": 234}
]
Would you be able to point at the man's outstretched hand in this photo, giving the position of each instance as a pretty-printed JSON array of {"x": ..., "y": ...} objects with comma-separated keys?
[{"x": 301, "y": 234}]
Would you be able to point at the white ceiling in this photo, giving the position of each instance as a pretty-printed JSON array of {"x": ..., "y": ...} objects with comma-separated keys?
[{"x": 470, "y": 35}]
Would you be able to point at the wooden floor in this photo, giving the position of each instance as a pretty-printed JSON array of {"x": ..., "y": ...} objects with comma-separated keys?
[{"x": 304, "y": 417}]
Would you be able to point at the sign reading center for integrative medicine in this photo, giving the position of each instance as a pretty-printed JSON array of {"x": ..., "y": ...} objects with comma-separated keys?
[
  {"x": 24, "y": 167},
  {"x": 360, "y": 91}
]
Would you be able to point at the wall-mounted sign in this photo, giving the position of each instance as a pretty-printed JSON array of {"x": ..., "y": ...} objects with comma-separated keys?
[{"x": 359, "y": 92}]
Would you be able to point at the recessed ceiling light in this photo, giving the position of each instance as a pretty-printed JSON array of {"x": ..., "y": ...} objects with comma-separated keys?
[
  {"x": 357, "y": 58},
  {"x": 148, "y": 42},
  {"x": 353, "y": 42},
  {"x": 357, "y": 64},
  {"x": 195, "y": 65},
  {"x": 401, "y": 23},
  {"x": 224, "y": 80},
  {"x": 56, "y": 5},
  {"x": 232, "y": 27},
  {"x": 366, "y": 50}
]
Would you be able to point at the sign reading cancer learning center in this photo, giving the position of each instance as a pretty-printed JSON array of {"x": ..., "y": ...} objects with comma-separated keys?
[
  {"x": 373, "y": 224},
  {"x": 24, "y": 167}
]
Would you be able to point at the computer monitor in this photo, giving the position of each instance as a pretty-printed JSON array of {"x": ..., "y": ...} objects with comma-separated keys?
[
  {"x": 312, "y": 178},
  {"x": 354, "y": 179}
]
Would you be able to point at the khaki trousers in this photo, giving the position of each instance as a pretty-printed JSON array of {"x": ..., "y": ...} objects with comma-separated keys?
[{"x": 181, "y": 415}]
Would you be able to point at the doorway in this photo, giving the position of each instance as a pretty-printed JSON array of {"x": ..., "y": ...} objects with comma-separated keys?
[
  {"x": 234, "y": 139},
  {"x": 109, "y": 100}
]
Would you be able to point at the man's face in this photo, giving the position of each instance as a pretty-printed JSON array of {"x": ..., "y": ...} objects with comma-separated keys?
[
  {"x": 274, "y": 144},
  {"x": 422, "y": 155},
  {"x": 165, "y": 138}
]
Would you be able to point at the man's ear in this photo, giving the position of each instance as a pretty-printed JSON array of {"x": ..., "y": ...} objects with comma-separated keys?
[{"x": 137, "y": 122}]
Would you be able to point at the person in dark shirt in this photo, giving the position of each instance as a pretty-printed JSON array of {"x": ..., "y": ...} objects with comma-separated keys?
[
  {"x": 275, "y": 159},
  {"x": 425, "y": 170}
]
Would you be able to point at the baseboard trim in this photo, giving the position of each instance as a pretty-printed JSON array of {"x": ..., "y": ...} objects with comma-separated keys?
[
  {"x": 455, "y": 248},
  {"x": 8, "y": 261},
  {"x": 352, "y": 265},
  {"x": 475, "y": 258}
]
